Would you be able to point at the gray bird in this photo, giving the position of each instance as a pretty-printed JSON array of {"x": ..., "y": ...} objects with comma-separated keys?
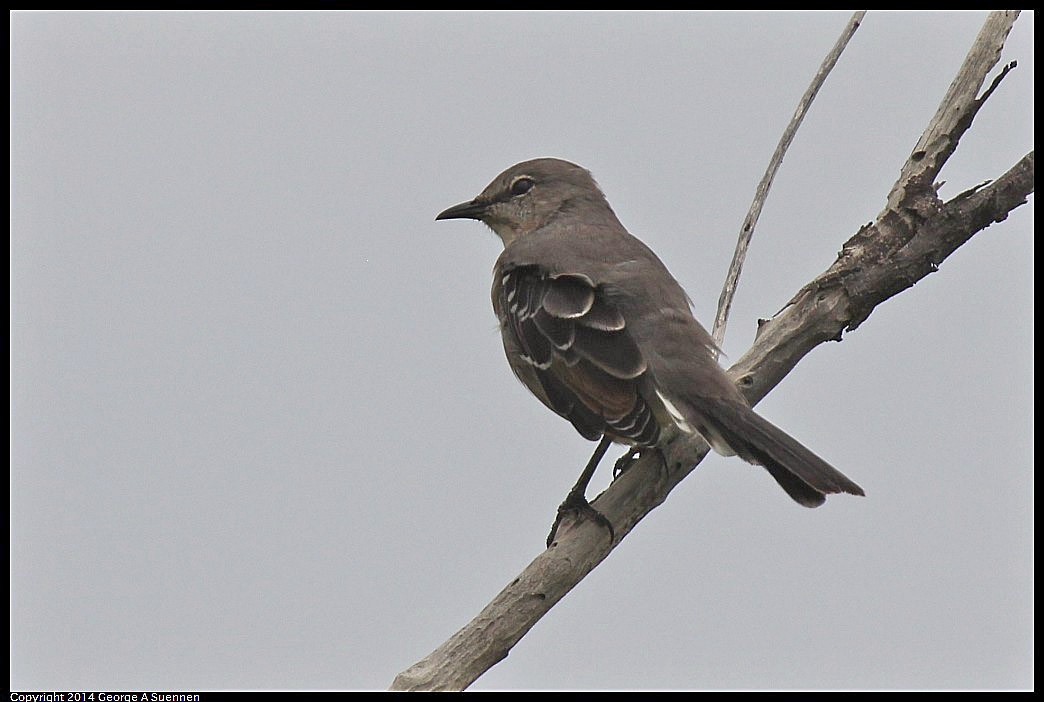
[{"x": 599, "y": 330}]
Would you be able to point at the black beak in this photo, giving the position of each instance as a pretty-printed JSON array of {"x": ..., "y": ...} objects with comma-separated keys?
[{"x": 465, "y": 210}]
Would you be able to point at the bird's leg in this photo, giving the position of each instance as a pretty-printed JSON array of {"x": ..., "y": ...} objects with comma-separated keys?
[
  {"x": 576, "y": 501},
  {"x": 626, "y": 461}
]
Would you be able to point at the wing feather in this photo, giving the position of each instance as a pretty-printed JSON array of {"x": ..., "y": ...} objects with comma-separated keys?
[{"x": 576, "y": 352}]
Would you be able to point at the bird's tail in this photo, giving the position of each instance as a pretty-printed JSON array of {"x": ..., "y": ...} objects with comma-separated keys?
[{"x": 806, "y": 477}]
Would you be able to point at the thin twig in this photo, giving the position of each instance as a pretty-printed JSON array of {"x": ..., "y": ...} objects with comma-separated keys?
[{"x": 751, "y": 220}]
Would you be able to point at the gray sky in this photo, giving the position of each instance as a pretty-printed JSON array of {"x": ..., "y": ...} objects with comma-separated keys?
[{"x": 263, "y": 433}]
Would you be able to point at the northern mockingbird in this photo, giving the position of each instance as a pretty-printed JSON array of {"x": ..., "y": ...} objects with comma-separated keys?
[{"x": 598, "y": 329}]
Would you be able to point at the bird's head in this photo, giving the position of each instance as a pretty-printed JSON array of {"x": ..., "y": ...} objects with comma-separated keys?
[{"x": 528, "y": 196}]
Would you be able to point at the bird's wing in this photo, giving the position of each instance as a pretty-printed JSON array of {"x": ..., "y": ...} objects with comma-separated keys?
[{"x": 568, "y": 342}]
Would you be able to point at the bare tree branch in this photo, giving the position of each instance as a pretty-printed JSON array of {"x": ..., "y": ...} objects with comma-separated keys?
[
  {"x": 909, "y": 239},
  {"x": 728, "y": 291},
  {"x": 958, "y": 108},
  {"x": 878, "y": 262}
]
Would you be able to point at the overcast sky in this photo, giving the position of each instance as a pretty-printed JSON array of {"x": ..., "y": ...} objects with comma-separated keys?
[{"x": 263, "y": 433}]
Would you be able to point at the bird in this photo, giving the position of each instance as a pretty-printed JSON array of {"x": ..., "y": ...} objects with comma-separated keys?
[{"x": 597, "y": 328}]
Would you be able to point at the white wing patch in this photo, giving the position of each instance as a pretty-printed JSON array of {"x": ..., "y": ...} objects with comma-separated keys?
[
  {"x": 715, "y": 441},
  {"x": 677, "y": 416}
]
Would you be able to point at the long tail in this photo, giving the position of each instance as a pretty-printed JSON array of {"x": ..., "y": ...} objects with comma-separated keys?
[{"x": 806, "y": 477}]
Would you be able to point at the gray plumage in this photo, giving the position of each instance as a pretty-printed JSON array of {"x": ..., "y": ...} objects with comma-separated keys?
[{"x": 598, "y": 329}]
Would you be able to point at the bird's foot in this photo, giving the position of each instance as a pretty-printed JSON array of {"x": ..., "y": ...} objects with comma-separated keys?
[
  {"x": 577, "y": 507},
  {"x": 626, "y": 461}
]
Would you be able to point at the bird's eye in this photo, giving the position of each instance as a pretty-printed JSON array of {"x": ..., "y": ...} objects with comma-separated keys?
[{"x": 521, "y": 185}]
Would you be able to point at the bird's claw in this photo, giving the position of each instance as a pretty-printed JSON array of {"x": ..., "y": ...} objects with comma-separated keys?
[
  {"x": 625, "y": 462},
  {"x": 579, "y": 508}
]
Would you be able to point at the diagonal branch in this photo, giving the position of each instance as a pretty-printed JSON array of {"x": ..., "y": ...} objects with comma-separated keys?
[
  {"x": 879, "y": 261},
  {"x": 909, "y": 239}
]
